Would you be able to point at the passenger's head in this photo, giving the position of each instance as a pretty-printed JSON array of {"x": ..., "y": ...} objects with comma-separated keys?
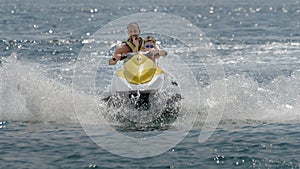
[
  {"x": 133, "y": 29},
  {"x": 150, "y": 43}
]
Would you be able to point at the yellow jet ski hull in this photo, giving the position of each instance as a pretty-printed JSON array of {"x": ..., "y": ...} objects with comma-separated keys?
[{"x": 139, "y": 73}]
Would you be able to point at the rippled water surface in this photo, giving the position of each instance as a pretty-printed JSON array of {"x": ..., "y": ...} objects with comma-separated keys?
[{"x": 257, "y": 42}]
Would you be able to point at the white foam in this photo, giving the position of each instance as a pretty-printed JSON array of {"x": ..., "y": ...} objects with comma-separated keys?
[
  {"x": 27, "y": 95},
  {"x": 274, "y": 102}
]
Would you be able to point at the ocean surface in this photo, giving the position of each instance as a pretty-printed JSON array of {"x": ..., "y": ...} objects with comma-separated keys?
[{"x": 237, "y": 64}]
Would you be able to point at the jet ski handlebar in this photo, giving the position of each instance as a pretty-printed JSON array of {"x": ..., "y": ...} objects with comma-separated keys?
[
  {"x": 129, "y": 55},
  {"x": 123, "y": 56}
]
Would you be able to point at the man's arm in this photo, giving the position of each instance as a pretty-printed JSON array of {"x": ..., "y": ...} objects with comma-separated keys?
[{"x": 117, "y": 55}]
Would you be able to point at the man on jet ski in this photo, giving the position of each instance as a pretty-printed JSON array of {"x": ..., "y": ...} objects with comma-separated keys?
[{"x": 133, "y": 44}]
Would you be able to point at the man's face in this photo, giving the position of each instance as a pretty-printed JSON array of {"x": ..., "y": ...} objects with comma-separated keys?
[{"x": 133, "y": 30}]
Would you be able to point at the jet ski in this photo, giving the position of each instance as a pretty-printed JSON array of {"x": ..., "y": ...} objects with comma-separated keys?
[{"x": 139, "y": 91}]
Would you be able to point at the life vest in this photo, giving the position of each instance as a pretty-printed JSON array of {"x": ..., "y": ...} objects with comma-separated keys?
[{"x": 132, "y": 46}]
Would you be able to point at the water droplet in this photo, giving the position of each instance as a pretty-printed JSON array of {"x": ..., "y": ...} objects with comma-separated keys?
[
  {"x": 211, "y": 10},
  {"x": 92, "y": 166},
  {"x": 284, "y": 10},
  {"x": 143, "y": 10}
]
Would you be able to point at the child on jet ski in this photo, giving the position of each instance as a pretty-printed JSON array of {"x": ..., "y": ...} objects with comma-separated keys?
[{"x": 150, "y": 45}]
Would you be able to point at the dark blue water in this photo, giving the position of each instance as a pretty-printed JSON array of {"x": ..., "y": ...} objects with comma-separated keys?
[
  {"x": 29, "y": 145},
  {"x": 258, "y": 43}
]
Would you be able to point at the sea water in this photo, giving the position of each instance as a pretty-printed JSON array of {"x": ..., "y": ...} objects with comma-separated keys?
[{"x": 257, "y": 44}]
